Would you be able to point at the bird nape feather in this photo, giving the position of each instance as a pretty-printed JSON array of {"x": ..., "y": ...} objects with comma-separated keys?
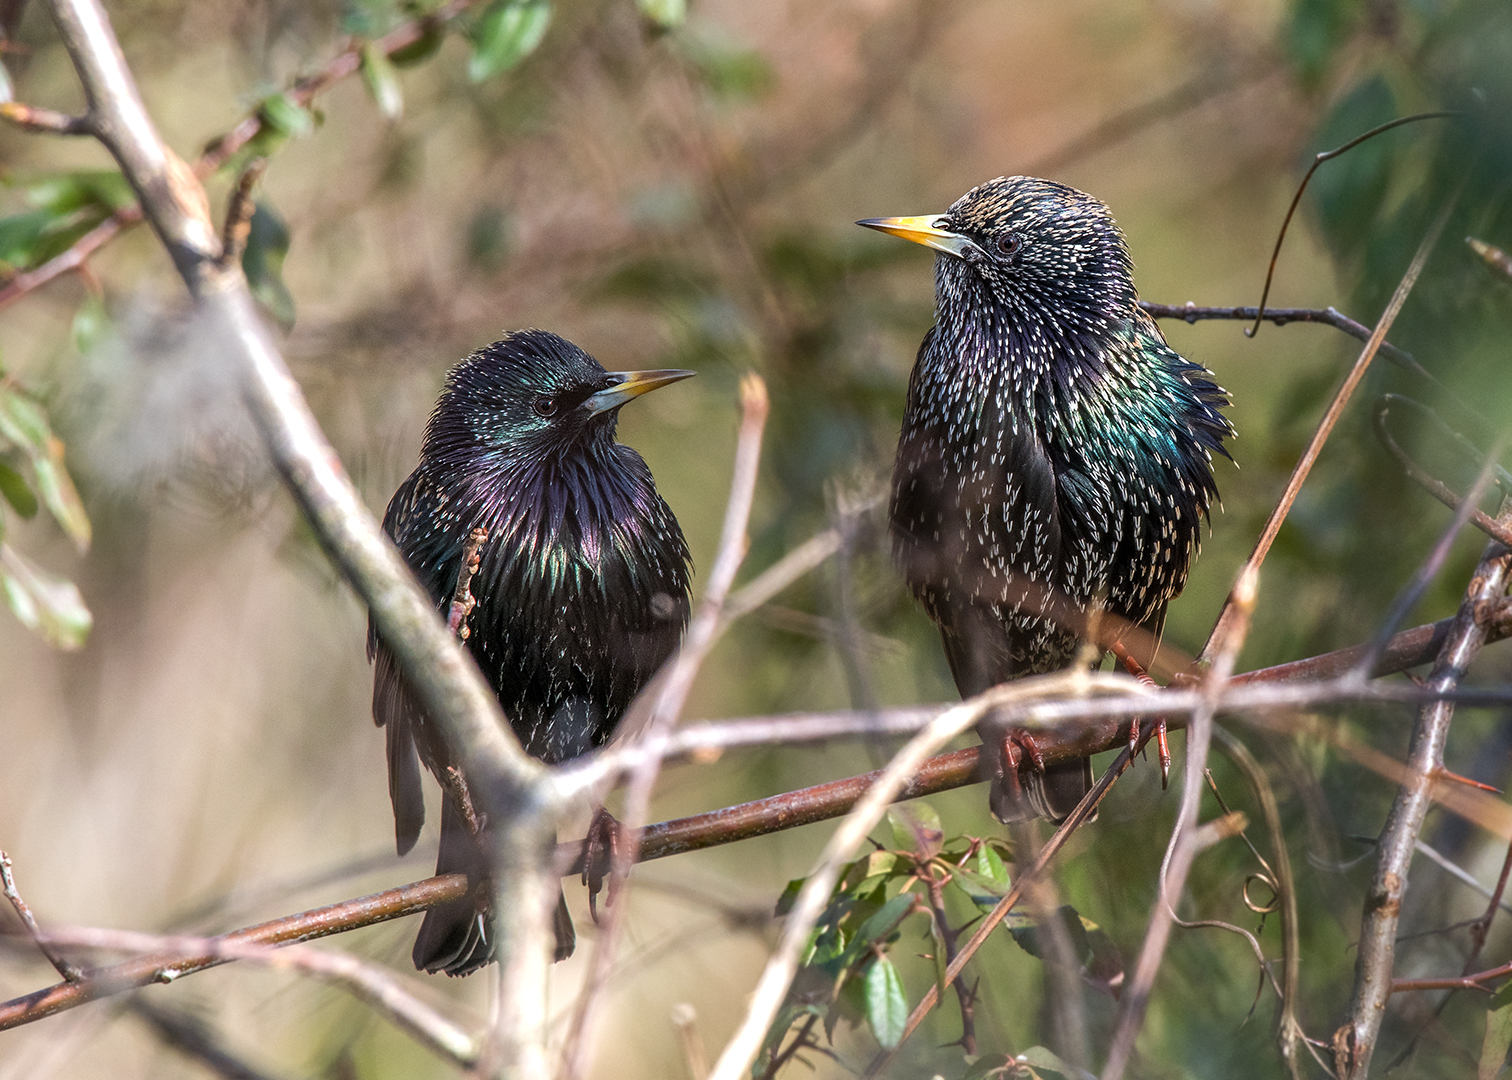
[
  {"x": 581, "y": 586},
  {"x": 1055, "y": 457}
]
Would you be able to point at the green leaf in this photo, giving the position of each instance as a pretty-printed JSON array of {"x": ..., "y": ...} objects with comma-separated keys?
[
  {"x": 727, "y": 71},
  {"x": 990, "y": 865},
  {"x": 505, "y": 34},
  {"x": 17, "y": 492},
  {"x": 941, "y": 954},
  {"x": 1096, "y": 956},
  {"x": 877, "y": 927},
  {"x": 61, "y": 497},
  {"x": 988, "y": 1064},
  {"x": 262, "y": 262},
  {"x": 1042, "y": 1064},
  {"x": 664, "y": 14},
  {"x": 916, "y": 828},
  {"x": 422, "y": 48},
  {"x": 90, "y": 322},
  {"x": 789, "y": 897},
  {"x": 103, "y": 190},
  {"x": 47, "y": 605},
  {"x": 287, "y": 116},
  {"x": 886, "y": 1004},
  {"x": 382, "y": 81},
  {"x": 23, "y": 423},
  {"x": 1498, "y": 1034}
]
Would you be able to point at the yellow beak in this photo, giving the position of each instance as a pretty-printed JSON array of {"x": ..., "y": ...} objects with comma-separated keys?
[
  {"x": 922, "y": 230},
  {"x": 629, "y": 385}
]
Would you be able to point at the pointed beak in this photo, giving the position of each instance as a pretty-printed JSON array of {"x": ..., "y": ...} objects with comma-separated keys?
[
  {"x": 629, "y": 385},
  {"x": 922, "y": 230}
]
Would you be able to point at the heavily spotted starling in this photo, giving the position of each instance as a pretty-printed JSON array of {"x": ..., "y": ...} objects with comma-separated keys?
[
  {"x": 1056, "y": 452},
  {"x": 581, "y": 587}
]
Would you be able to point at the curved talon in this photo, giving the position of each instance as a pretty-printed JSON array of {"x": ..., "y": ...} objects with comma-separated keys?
[
  {"x": 600, "y": 849},
  {"x": 1022, "y": 745}
]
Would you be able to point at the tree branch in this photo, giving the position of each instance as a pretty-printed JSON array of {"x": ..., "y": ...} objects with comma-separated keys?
[{"x": 1355, "y": 1042}]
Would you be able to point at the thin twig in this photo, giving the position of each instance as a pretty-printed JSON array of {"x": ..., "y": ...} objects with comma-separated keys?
[
  {"x": 1336, "y": 409},
  {"x": 1463, "y": 982},
  {"x": 370, "y": 983},
  {"x": 662, "y": 702},
  {"x": 65, "y": 967},
  {"x": 1184, "y": 845},
  {"x": 1355, "y": 1041},
  {"x": 49, "y": 121},
  {"x": 239, "y": 211}
]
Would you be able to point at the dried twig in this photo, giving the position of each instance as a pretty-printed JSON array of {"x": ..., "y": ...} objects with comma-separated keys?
[
  {"x": 1335, "y": 410},
  {"x": 239, "y": 211},
  {"x": 32, "y": 118},
  {"x": 65, "y": 967},
  {"x": 372, "y": 984}
]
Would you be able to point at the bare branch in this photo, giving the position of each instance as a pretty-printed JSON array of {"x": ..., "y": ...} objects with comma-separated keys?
[
  {"x": 32, "y": 118},
  {"x": 61, "y": 963},
  {"x": 166, "y": 967},
  {"x": 373, "y": 985},
  {"x": 1355, "y": 1042}
]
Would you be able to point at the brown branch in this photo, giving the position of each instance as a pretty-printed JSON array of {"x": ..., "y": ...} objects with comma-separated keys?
[
  {"x": 463, "y": 601},
  {"x": 64, "y": 967},
  {"x": 238, "y": 224},
  {"x": 49, "y": 121},
  {"x": 761, "y": 817},
  {"x": 1355, "y": 1041},
  {"x": 1463, "y": 982},
  {"x": 168, "y": 966},
  {"x": 74, "y": 259}
]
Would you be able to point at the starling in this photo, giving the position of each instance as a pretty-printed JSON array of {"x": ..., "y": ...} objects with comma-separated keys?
[
  {"x": 581, "y": 586},
  {"x": 1053, "y": 446}
]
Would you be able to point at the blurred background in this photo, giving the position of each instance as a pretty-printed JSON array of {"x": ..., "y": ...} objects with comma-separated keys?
[{"x": 673, "y": 192}]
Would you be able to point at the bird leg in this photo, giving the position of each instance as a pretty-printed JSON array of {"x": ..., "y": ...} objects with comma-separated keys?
[
  {"x": 463, "y": 601},
  {"x": 1162, "y": 746},
  {"x": 1019, "y": 744},
  {"x": 600, "y": 851}
]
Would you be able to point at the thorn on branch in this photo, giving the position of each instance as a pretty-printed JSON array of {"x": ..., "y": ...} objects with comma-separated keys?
[
  {"x": 463, "y": 600},
  {"x": 50, "y": 121}
]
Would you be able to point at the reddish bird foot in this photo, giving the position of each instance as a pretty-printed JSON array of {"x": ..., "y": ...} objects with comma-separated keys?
[
  {"x": 1136, "y": 744},
  {"x": 600, "y": 848},
  {"x": 1018, "y": 745}
]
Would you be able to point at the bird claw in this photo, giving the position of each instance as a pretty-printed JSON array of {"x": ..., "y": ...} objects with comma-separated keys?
[
  {"x": 1017, "y": 745},
  {"x": 600, "y": 851}
]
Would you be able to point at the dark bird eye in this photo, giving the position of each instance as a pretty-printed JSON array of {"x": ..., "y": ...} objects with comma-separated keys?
[
  {"x": 546, "y": 406},
  {"x": 1009, "y": 243}
]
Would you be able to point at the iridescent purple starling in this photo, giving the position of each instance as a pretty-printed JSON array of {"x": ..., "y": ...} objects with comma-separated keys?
[
  {"x": 581, "y": 589},
  {"x": 1054, "y": 447}
]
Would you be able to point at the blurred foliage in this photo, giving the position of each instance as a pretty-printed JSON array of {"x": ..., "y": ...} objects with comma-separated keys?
[{"x": 33, "y": 475}]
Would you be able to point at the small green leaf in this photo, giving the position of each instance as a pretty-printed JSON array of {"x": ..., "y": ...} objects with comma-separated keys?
[
  {"x": 988, "y": 1064},
  {"x": 916, "y": 828},
  {"x": 90, "y": 322},
  {"x": 508, "y": 32},
  {"x": 48, "y": 605},
  {"x": 382, "y": 81},
  {"x": 1498, "y": 1034},
  {"x": 422, "y": 48},
  {"x": 61, "y": 497},
  {"x": 941, "y": 954},
  {"x": 886, "y": 1004},
  {"x": 287, "y": 116},
  {"x": 1043, "y": 1064},
  {"x": 103, "y": 190},
  {"x": 23, "y": 423},
  {"x": 17, "y": 492},
  {"x": 262, "y": 262},
  {"x": 877, "y": 927},
  {"x": 664, "y": 14},
  {"x": 990, "y": 864},
  {"x": 789, "y": 897}
]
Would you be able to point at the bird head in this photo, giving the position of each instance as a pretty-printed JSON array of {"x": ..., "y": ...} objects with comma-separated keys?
[
  {"x": 535, "y": 394},
  {"x": 1033, "y": 244}
]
